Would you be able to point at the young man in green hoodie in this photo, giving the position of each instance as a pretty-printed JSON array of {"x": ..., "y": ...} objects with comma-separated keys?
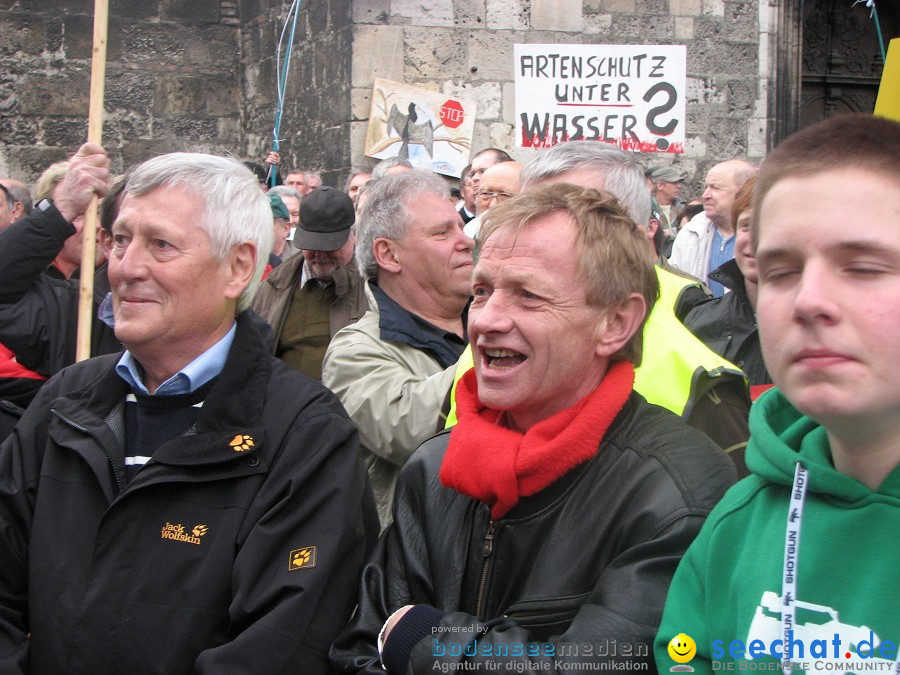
[{"x": 798, "y": 567}]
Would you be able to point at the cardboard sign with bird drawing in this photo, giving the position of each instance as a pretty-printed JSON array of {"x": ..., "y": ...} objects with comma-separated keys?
[{"x": 430, "y": 129}]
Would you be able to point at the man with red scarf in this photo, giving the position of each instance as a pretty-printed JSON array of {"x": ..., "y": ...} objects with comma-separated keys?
[{"x": 543, "y": 530}]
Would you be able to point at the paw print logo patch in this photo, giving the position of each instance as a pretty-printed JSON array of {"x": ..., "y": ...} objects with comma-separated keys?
[
  {"x": 199, "y": 530},
  {"x": 302, "y": 558},
  {"x": 241, "y": 442}
]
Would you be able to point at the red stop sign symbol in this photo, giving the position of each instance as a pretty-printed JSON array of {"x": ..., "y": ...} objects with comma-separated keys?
[{"x": 452, "y": 113}]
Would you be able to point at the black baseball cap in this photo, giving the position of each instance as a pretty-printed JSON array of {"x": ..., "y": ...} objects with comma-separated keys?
[{"x": 326, "y": 216}]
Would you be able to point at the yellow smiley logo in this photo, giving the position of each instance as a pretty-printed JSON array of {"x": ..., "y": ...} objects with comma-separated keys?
[{"x": 682, "y": 648}]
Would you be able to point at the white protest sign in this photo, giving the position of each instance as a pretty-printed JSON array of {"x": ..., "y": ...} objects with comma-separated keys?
[{"x": 629, "y": 95}]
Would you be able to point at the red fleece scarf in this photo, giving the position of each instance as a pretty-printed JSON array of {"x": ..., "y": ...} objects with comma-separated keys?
[{"x": 497, "y": 465}]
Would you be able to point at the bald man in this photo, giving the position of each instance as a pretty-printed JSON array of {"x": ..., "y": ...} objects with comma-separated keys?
[
  {"x": 485, "y": 159},
  {"x": 6, "y": 208},
  {"x": 498, "y": 183},
  {"x": 707, "y": 241},
  {"x": 21, "y": 197}
]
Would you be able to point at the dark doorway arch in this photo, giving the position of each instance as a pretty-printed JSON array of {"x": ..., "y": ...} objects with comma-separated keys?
[
  {"x": 842, "y": 62},
  {"x": 826, "y": 60}
]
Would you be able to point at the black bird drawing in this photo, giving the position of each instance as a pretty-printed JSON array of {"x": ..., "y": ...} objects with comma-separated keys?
[{"x": 410, "y": 131}]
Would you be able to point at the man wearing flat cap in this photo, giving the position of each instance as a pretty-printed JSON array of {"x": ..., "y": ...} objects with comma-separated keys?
[
  {"x": 311, "y": 297},
  {"x": 282, "y": 222},
  {"x": 666, "y": 193}
]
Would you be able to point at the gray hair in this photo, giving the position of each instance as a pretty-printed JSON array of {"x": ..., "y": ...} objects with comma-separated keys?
[
  {"x": 354, "y": 172},
  {"x": 19, "y": 193},
  {"x": 624, "y": 178},
  {"x": 7, "y": 198},
  {"x": 233, "y": 208},
  {"x": 386, "y": 212},
  {"x": 285, "y": 191},
  {"x": 382, "y": 167}
]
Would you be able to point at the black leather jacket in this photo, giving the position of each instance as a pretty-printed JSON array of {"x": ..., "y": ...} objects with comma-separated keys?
[
  {"x": 576, "y": 573},
  {"x": 727, "y": 325}
]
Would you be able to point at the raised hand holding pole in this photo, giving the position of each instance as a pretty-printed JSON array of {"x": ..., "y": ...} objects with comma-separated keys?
[{"x": 95, "y": 135}]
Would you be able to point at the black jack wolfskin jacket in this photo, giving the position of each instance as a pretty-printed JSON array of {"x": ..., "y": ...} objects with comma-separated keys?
[
  {"x": 236, "y": 549},
  {"x": 727, "y": 325}
]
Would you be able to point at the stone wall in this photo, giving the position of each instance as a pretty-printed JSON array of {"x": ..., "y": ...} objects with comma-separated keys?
[
  {"x": 171, "y": 80},
  {"x": 315, "y": 125},
  {"x": 465, "y": 48},
  {"x": 192, "y": 75}
]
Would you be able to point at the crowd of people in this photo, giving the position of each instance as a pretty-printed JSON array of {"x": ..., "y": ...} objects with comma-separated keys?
[{"x": 525, "y": 423}]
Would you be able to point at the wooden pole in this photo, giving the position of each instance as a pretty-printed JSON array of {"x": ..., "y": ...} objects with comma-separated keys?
[{"x": 95, "y": 135}]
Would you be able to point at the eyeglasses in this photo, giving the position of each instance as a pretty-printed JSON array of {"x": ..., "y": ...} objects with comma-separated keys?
[{"x": 488, "y": 196}]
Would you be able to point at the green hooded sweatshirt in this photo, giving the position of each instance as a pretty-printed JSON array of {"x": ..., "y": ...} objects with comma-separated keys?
[{"x": 727, "y": 592}]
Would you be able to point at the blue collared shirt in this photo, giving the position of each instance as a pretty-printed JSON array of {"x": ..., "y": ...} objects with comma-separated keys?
[
  {"x": 400, "y": 325},
  {"x": 190, "y": 378},
  {"x": 722, "y": 251}
]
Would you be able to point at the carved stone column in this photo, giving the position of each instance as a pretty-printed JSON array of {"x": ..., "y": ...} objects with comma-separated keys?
[{"x": 784, "y": 104}]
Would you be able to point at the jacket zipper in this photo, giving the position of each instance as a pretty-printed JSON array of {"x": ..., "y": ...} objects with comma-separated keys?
[
  {"x": 75, "y": 425},
  {"x": 487, "y": 548}
]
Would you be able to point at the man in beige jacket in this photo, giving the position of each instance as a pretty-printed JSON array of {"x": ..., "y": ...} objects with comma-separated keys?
[{"x": 393, "y": 369}]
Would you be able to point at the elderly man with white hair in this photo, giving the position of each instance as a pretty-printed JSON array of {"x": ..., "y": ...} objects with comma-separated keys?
[
  {"x": 190, "y": 504},
  {"x": 707, "y": 241}
]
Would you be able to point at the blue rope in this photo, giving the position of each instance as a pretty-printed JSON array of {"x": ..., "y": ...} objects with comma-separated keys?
[
  {"x": 874, "y": 16},
  {"x": 281, "y": 73},
  {"x": 878, "y": 30}
]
